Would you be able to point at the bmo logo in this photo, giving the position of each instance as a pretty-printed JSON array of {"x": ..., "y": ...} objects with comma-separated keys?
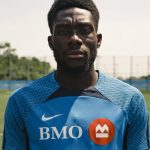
[
  {"x": 101, "y": 131},
  {"x": 52, "y": 133}
]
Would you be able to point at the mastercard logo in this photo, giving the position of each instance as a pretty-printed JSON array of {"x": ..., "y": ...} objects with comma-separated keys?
[{"x": 101, "y": 131}]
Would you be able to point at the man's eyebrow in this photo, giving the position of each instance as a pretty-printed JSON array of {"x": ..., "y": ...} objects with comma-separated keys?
[
  {"x": 78, "y": 23},
  {"x": 63, "y": 24},
  {"x": 84, "y": 23}
]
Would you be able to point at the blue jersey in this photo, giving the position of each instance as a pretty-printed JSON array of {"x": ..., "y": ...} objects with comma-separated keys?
[{"x": 111, "y": 115}]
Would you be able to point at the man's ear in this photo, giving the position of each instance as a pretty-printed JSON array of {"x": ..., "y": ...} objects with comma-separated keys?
[
  {"x": 99, "y": 40},
  {"x": 50, "y": 43}
]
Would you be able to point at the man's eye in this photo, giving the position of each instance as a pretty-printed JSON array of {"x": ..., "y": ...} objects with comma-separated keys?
[
  {"x": 85, "y": 30},
  {"x": 62, "y": 31}
]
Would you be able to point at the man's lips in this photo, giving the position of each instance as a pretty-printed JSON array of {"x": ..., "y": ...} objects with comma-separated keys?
[{"x": 75, "y": 54}]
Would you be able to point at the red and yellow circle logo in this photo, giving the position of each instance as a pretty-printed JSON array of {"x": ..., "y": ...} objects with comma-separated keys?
[{"x": 101, "y": 131}]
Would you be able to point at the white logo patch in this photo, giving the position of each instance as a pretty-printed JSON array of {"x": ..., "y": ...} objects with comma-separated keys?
[{"x": 44, "y": 118}]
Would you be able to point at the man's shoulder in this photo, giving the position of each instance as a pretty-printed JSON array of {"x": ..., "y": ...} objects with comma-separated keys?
[
  {"x": 116, "y": 90},
  {"x": 37, "y": 90},
  {"x": 115, "y": 84}
]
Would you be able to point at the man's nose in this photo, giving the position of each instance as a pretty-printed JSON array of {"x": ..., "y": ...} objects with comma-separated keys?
[{"x": 74, "y": 39}]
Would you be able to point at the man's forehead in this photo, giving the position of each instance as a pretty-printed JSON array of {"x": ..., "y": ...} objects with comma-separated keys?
[
  {"x": 69, "y": 21},
  {"x": 73, "y": 13}
]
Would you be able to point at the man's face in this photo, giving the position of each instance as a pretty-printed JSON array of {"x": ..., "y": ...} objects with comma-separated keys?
[{"x": 74, "y": 40}]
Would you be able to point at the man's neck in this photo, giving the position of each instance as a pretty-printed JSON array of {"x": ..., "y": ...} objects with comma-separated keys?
[{"x": 77, "y": 81}]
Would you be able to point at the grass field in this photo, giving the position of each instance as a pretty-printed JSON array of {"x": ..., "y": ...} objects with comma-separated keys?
[
  {"x": 5, "y": 94},
  {"x": 3, "y": 101}
]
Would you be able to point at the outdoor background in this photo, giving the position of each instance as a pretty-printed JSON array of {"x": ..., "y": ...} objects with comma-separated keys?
[{"x": 25, "y": 54}]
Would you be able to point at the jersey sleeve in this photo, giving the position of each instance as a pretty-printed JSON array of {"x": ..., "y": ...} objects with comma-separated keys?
[
  {"x": 14, "y": 135},
  {"x": 137, "y": 131}
]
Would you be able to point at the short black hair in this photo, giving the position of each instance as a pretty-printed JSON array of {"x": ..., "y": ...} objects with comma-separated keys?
[{"x": 63, "y": 4}]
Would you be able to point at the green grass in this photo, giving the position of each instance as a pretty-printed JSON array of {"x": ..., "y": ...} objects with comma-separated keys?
[
  {"x": 4, "y": 94},
  {"x": 147, "y": 98},
  {"x": 3, "y": 100}
]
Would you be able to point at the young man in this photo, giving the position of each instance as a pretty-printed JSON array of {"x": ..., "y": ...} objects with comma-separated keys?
[{"x": 76, "y": 107}]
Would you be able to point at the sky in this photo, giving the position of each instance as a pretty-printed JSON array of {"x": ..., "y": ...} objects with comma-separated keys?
[{"x": 124, "y": 24}]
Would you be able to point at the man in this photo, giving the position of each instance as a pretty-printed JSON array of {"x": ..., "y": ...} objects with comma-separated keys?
[{"x": 76, "y": 107}]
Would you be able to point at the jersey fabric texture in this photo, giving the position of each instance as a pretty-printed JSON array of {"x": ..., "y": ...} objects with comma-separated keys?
[{"x": 111, "y": 115}]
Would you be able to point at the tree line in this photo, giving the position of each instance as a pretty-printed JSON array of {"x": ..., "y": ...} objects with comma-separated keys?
[{"x": 13, "y": 67}]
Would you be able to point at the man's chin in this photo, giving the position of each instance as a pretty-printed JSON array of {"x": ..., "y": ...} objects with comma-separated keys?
[{"x": 74, "y": 69}]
